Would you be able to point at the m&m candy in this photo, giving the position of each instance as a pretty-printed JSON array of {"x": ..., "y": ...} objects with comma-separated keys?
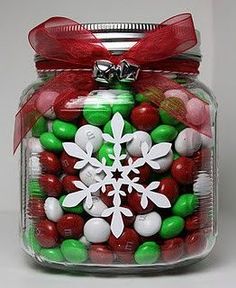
[
  {"x": 126, "y": 191},
  {"x": 70, "y": 226},
  {"x": 99, "y": 253},
  {"x": 145, "y": 116},
  {"x": 47, "y": 234}
]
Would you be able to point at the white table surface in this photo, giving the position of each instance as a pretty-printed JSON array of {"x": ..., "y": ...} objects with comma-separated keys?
[{"x": 217, "y": 270}]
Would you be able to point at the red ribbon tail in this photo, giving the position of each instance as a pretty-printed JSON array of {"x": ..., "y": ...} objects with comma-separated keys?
[{"x": 64, "y": 87}]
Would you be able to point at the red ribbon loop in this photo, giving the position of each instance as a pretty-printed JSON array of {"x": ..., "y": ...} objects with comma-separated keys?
[{"x": 65, "y": 41}]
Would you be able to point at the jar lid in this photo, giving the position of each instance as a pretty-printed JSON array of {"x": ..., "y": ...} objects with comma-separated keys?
[{"x": 120, "y": 37}]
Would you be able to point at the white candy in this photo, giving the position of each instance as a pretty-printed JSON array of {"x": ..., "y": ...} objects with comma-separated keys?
[
  {"x": 97, "y": 208},
  {"x": 188, "y": 142},
  {"x": 97, "y": 230},
  {"x": 48, "y": 97},
  {"x": 50, "y": 114},
  {"x": 49, "y": 125},
  {"x": 203, "y": 184},
  {"x": 165, "y": 162},
  {"x": 89, "y": 133},
  {"x": 35, "y": 168},
  {"x": 134, "y": 146},
  {"x": 34, "y": 145},
  {"x": 84, "y": 240},
  {"x": 53, "y": 209},
  {"x": 88, "y": 175},
  {"x": 207, "y": 142},
  {"x": 147, "y": 224},
  {"x": 200, "y": 93},
  {"x": 104, "y": 96}
]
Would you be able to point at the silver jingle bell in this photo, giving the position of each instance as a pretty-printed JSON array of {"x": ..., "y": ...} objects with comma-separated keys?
[
  {"x": 103, "y": 71},
  {"x": 127, "y": 72}
]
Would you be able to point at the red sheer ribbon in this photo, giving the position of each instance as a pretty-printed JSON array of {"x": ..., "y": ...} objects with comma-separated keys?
[{"x": 61, "y": 40}]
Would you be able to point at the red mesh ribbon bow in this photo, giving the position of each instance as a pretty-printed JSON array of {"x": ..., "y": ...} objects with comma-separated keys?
[{"x": 64, "y": 41}]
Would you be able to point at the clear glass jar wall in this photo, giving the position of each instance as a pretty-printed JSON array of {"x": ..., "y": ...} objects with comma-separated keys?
[{"x": 77, "y": 166}]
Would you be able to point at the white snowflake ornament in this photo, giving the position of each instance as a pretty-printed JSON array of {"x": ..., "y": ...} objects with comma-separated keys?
[{"x": 149, "y": 155}]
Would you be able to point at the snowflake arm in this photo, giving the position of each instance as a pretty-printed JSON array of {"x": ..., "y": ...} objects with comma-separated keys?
[
  {"x": 158, "y": 199},
  {"x": 117, "y": 223},
  {"x": 75, "y": 198},
  {"x": 157, "y": 151}
]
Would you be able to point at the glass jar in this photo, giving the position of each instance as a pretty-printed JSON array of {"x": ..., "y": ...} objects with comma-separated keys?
[{"x": 112, "y": 181}]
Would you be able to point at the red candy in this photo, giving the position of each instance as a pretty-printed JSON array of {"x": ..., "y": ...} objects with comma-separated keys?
[
  {"x": 125, "y": 257},
  {"x": 183, "y": 170},
  {"x": 99, "y": 253},
  {"x": 125, "y": 245},
  {"x": 68, "y": 163},
  {"x": 169, "y": 187},
  {"x": 144, "y": 172},
  {"x": 195, "y": 243},
  {"x": 46, "y": 234},
  {"x": 51, "y": 185},
  {"x": 50, "y": 163},
  {"x": 82, "y": 122},
  {"x": 36, "y": 208},
  {"x": 108, "y": 200},
  {"x": 202, "y": 159},
  {"x": 172, "y": 249},
  {"x": 127, "y": 242},
  {"x": 70, "y": 226},
  {"x": 196, "y": 221},
  {"x": 67, "y": 183},
  {"x": 128, "y": 221},
  {"x": 145, "y": 117},
  {"x": 134, "y": 202},
  {"x": 65, "y": 113}
]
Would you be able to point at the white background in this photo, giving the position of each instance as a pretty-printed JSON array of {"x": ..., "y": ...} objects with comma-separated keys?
[{"x": 217, "y": 22}]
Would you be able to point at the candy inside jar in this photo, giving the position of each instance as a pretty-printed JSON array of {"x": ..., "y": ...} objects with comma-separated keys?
[
  {"x": 119, "y": 166},
  {"x": 118, "y": 188}
]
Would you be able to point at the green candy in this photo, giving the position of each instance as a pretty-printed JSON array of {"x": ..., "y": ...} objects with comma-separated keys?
[
  {"x": 78, "y": 209},
  {"x": 30, "y": 240},
  {"x": 74, "y": 251},
  {"x": 167, "y": 119},
  {"x": 180, "y": 126},
  {"x": 123, "y": 104},
  {"x": 171, "y": 227},
  {"x": 180, "y": 80},
  {"x": 147, "y": 253},
  {"x": 64, "y": 130},
  {"x": 104, "y": 152},
  {"x": 176, "y": 155},
  {"x": 52, "y": 254},
  {"x": 121, "y": 86},
  {"x": 141, "y": 98},
  {"x": 34, "y": 189},
  {"x": 158, "y": 177},
  {"x": 40, "y": 126},
  {"x": 185, "y": 205},
  {"x": 128, "y": 128},
  {"x": 50, "y": 142},
  {"x": 97, "y": 114},
  {"x": 164, "y": 133}
]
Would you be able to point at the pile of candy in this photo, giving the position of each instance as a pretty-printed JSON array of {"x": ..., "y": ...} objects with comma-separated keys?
[{"x": 80, "y": 234}]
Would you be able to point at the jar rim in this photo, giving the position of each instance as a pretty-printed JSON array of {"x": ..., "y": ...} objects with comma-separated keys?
[{"x": 107, "y": 27}]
